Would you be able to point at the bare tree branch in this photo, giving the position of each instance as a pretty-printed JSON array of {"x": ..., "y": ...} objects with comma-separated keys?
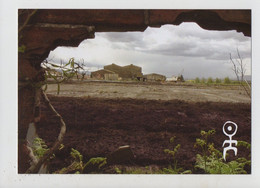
[
  {"x": 239, "y": 70},
  {"x": 235, "y": 69},
  {"x": 242, "y": 67}
]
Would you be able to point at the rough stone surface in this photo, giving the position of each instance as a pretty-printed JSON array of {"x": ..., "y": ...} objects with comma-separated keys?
[{"x": 122, "y": 154}]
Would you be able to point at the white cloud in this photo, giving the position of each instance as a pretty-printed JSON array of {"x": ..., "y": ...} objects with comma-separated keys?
[{"x": 166, "y": 50}]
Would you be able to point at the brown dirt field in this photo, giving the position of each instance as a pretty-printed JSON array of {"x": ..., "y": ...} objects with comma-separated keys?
[
  {"x": 98, "y": 126},
  {"x": 152, "y": 91}
]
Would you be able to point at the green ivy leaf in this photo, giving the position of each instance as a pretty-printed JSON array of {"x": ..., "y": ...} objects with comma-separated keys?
[{"x": 21, "y": 49}]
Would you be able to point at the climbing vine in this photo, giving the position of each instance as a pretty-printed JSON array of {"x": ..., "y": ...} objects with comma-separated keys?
[
  {"x": 41, "y": 154},
  {"x": 67, "y": 74}
]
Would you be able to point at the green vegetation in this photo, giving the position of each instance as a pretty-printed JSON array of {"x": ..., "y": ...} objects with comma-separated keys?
[
  {"x": 197, "y": 80},
  {"x": 203, "y": 80},
  {"x": 208, "y": 159},
  {"x": 67, "y": 73},
  {"x": 215, "y": 164},
  {"x": 218, "y": 81},
  {"x": 118, "y": 171},
  {"x": 244, "y": 144},
  {"x": 227, "y": 80},
  {"x": 137, "y": 171},
  {"x": 211, "y": 160},
  {"x": 39, "y": 147},
  {"x": 95, "y": 165},
  {"x": 77, "y": 165},
  {"x": 21, "y": 49},
  {"x": 210, "y": 80},
  {"x": 173, "y": 169},
  {"x": 204, "y": 145}
]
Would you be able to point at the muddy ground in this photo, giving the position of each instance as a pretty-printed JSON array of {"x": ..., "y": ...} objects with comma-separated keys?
[{"x": 97, "y": 126}]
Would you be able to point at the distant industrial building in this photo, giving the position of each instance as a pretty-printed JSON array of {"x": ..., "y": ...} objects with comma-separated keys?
[
  {"x": 129, "y": 72},
  {"x": 154, "y": 77},
  {"x": 116, "y": 72},
  {"x": 102, "y": 74},
  {"x": 111, "y": 76},
  {"x": 175, "y": 79}
]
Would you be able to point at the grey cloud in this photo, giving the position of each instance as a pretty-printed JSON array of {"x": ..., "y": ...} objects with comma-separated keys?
[
  {"x": 176, "y": 49},
  {"x": 170, "y": 49},
  {"x": 127, "y": 37},
  {"x": 192, "y": 67},
  {"x": 180, "y": 49},
  {"x": 194, "y": 48},
  {"x": 125, "y": 40},
  {"x": 186, "y": 40}
]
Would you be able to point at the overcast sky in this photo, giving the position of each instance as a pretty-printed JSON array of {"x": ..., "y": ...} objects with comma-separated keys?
[{"x": 169, "y": 50}]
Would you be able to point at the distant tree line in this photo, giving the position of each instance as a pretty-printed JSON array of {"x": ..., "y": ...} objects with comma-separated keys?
[{"x": 210, "y": 80}]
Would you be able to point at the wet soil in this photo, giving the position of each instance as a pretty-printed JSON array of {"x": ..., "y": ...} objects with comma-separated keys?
[{"x": 98, "y": 126}]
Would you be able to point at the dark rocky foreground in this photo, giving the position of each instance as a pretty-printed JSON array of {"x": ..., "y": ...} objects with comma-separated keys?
[{"x": 97, "y": 127}]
